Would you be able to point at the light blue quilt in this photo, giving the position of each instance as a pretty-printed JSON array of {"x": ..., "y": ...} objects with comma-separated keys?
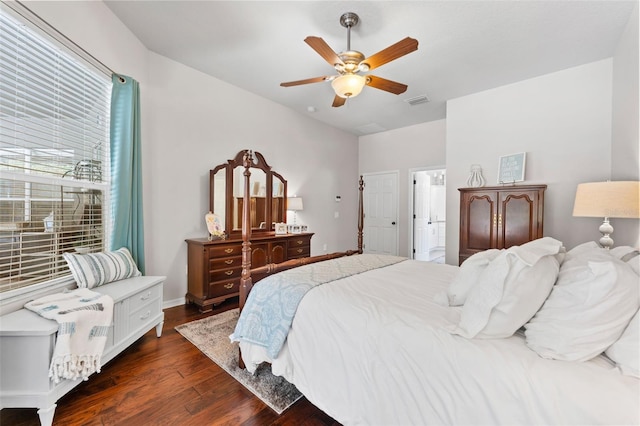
[{"x": 273, "y": 301}]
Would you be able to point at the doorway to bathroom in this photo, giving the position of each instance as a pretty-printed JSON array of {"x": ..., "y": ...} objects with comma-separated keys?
[{"x": 428, "y": 211}]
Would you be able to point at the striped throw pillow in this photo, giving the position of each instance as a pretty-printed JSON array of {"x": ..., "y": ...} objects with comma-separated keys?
[{"x": 95, "y": 269}]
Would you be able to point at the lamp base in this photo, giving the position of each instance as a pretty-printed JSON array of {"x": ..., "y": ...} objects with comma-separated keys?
[{"x": 606, "y": 230}]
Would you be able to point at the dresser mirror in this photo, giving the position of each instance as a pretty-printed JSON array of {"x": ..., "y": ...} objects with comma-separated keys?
[{"x": 268, "y": 194}]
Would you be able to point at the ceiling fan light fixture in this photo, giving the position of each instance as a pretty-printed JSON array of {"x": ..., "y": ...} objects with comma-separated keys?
[{"x": 348, "y": 85}]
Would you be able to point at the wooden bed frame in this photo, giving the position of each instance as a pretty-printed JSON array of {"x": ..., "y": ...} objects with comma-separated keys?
[{"x": 250, "y": 275}]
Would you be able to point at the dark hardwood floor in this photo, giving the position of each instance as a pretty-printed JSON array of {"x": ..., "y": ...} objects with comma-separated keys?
[{"x": 167, "y": 381}]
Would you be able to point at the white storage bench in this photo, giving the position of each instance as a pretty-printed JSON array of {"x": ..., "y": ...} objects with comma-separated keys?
[{"x": 27, "y": 341}]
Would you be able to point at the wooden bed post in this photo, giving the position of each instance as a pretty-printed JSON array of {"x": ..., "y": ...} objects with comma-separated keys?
[
  {"x": 245, "y": 277},
  {"x": 360, "y": 213}
]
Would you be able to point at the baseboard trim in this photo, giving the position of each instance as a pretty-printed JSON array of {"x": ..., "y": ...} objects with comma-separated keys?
[{"x": 172, "y": 303}]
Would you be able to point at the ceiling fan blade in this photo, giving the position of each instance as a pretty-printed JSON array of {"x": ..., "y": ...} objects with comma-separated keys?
[
  {"x": 386, "y": 85},
  {"x": 323, "y": 49},
  {"x": 338, "y": 101},
  {"x": 392, "y": 52},
  {"x": 306, "y": 81}
]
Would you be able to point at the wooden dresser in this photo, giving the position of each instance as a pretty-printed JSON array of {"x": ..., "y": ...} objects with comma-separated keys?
[
  {"x": 214, "y": 267},
  {"x": 499, "y": 217}
]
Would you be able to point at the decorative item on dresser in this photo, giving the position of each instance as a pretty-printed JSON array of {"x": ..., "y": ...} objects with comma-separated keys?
[
  {"x": 499, "y": 217},
  {"x": 214, "y": 267}
]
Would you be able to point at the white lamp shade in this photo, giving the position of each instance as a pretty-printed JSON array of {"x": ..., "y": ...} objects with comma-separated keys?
[
  {"x": 294, "y": 203},
  {"x": 348, "y": 85},
  {"x": 608, "y": 199}
]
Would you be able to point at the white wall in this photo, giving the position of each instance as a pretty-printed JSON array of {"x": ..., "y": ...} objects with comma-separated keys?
[
  {"x": 422, "y": 145},
  {"x": 561, "y": 120},
  {"x": 625, "y": 151},
  {"x": 191, "y": 122}
]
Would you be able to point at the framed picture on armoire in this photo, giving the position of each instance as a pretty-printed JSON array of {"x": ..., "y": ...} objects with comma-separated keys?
[{"x": 511, "y": 168}]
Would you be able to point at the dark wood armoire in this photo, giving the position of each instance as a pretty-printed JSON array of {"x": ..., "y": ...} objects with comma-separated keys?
[{"x": 499, "y": 217}]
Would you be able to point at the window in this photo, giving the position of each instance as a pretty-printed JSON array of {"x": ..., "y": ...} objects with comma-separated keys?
[{"x": 54, "y": 155}]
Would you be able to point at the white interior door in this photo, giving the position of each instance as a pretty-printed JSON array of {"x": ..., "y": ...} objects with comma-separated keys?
[
  {"x": 381, "y": 213},
  {"x": 421, "y": 209}
]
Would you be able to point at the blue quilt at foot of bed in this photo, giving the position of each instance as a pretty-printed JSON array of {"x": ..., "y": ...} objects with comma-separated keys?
[{"x": 272, "y": 302}]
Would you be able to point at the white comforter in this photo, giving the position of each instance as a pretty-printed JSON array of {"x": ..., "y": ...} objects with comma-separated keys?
[{"x": 373, "y": 349}]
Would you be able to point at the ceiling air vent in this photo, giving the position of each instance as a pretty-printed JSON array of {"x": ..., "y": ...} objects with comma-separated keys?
[{"x": 422, "y": 99}]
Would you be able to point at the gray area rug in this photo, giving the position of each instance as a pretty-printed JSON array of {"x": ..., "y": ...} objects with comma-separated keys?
[{"x": 211, "y": 336}]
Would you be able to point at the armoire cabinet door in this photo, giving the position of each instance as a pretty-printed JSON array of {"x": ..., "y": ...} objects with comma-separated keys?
[
  {"x": 478, "y": 227},
  {"x": 518, "y": 220}
]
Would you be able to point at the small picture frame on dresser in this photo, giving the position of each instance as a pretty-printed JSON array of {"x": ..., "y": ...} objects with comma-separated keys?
[
  {"x": 304, "y": 228},
  {"x": 294, "y": 229},
  {"x": 281, "y": 228}
]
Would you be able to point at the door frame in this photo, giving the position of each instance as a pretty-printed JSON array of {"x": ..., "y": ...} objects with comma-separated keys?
[
  {"x": 397, "y": 206},
  {"x": 410, "y": 198}
]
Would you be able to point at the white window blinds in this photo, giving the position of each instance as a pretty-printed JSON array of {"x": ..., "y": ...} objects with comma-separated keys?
[{"x": 54, "y": 155}]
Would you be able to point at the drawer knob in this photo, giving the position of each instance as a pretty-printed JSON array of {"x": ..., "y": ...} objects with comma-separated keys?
[
  {"x": 228, "y": 272},
  {"x": 145, "y": 315},
  {"x": 230, "y": 285},
  {"x": 299, "y": 242},
  {"x": 229, "y": 261},
  {"x": 145, "y": 297},
  {"x": 299, "y": 250},
  {"x": 229, "y": 250}
]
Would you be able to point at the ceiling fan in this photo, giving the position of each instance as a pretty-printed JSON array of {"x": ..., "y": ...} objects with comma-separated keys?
[{"x": 350, "y": 63}]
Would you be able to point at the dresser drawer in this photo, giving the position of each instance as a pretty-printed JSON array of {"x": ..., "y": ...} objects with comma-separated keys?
[
  {"x": 225, "y": 274},
  {"x": 226, "y": 263},
  {"x": 299, "y": 241},
  {"x": 145, "y": 296},
  {"x": 225, "y": 251},
  {"x": 224, "y": 288},
  {"x": 295, "y": 252}
]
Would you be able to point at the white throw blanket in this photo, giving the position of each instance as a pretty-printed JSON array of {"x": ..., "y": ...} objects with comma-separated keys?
[{"x": 84, "y": 319}]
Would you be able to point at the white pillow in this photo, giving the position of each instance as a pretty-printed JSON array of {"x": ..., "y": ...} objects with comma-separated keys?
[
  {"x": 466, "y": 278},
  {"x": 511, "y": 289},
  {"x": 626, "y": 350},
  {"x": 592, "y": 302},
  {"x": 95, "y": 269}
]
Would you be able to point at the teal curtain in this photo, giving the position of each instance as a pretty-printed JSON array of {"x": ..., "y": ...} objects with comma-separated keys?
[{"x": 126, "y": 169}]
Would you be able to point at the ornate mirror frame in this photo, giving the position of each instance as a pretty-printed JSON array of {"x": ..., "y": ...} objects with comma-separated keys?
[{"x": 263, "y": 218}]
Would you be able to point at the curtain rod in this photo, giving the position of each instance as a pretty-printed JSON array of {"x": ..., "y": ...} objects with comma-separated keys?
[{"x": 45, "y": 26}]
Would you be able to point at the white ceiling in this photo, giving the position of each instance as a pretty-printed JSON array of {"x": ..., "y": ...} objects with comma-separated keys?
[{"x": 464, "y": 47}]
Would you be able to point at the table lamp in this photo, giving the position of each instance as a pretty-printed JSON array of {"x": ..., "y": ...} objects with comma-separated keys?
[
  {"x": 607, "y": 200},
  {"x": 294, "y": 204}
]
